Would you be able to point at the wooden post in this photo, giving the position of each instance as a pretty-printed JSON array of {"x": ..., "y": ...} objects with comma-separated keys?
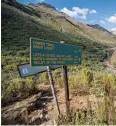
[
  {"x": 53, "y": 88},
  {"x": 109, "y": 104},
  {"x": 66, "y": 89}
]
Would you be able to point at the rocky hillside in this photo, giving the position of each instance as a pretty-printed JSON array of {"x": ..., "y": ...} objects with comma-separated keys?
[
  {"x": 97, "y": 26},
  {"x": 64, "y": 23},
  {"x": 24, "y": 18}
]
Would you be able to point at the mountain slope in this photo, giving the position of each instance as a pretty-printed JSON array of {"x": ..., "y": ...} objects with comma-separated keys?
[
  {"x": 97, "y": 26},
  {"x": 66, "y": 24},
  {"x": 48, "y": 16},
  {"x": 19, "y": 23},
  {"x": 18, "y": 26}
]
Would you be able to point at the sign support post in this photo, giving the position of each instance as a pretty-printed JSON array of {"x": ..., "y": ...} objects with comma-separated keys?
[
  {"x": 53, "y": 88},
  {"x": 66, "y": 89},
  {"x": 47, "y": 53}
]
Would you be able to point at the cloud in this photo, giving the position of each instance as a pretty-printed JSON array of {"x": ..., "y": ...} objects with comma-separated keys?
[
  {"x": 113, "y": 30},
  {"x": 102, "y": 22},
  {"x": 92, "y": 11},
  {"x": 81, "y": 12},
  {"x": 68, "y": 12},
  {"x": 77, "y": 12},
  {"x": 112, "y": 19}
]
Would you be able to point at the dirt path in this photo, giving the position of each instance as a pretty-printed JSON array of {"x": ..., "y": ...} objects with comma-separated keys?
[
  {"x": 39, "y": 109},
  {"x": 33, "y": 110},
  {"x": 110, "y": 68},
  {"x": 114, "y": 48}
]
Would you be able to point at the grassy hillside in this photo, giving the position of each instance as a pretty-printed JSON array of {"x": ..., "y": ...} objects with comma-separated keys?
[
  {"x": 20, "y": 22},
  {"x": 62, "y": 22}
]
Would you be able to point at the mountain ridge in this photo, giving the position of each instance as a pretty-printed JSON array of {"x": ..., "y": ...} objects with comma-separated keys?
[
  {"x": 97, "y": 26},
  {"x": 79, "y": 28},
  {"x": 48, "y": 16}
]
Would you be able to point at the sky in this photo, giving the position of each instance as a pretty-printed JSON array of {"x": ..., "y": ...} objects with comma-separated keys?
[{"x": 102, "y": 12}]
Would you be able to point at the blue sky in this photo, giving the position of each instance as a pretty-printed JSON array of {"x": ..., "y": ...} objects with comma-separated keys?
[{"x": 101, "y": 12}]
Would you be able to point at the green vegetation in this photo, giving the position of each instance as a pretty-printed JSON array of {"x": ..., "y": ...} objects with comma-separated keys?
[
  {"x": 18, "y": 25},
  {"x": 103, "y": 86}
]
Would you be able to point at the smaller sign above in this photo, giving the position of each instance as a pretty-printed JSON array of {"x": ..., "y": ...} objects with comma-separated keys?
[{"x": 26, "y": 70}]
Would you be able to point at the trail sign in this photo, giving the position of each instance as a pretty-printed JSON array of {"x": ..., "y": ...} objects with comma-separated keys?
[
  {"x": 46, "y": 53},
  {"x": 26, "y": 70}
]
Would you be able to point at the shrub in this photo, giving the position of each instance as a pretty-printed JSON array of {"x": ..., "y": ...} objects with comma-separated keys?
[
  {"x": 80, "y": 83},
  {"x": 105, "y": 80},
  {"x": 18, "y": 88},
  {"x": 60, "y": 82}
]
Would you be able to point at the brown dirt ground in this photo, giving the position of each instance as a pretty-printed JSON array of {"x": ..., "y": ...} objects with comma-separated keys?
[{"x": 40, "y": 108}]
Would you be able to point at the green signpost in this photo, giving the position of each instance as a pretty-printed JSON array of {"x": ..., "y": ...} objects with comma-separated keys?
[{"x": 47, "y": 53}]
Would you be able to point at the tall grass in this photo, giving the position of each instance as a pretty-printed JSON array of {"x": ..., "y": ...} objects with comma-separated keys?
[
  {"x": 18, "y": 88},
  {"x": 81, "y": 84}
]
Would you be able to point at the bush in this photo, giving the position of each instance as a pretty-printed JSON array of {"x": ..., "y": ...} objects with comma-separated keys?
[
  {"x": 80, "y": 83},
  {"x": 105, "y": 80},
  {"x": 17, "y": 88}
]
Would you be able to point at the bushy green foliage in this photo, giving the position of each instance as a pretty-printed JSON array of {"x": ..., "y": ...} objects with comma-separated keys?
[
  {"x": 103, "y": 86},
  {"x": 80, "y": 83},
  {"x": 79, "y": 117},
  {"x": 18, "y": 88}
]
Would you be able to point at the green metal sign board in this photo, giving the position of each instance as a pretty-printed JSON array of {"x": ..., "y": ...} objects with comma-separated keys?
[{"x": 46, "y": 53}]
